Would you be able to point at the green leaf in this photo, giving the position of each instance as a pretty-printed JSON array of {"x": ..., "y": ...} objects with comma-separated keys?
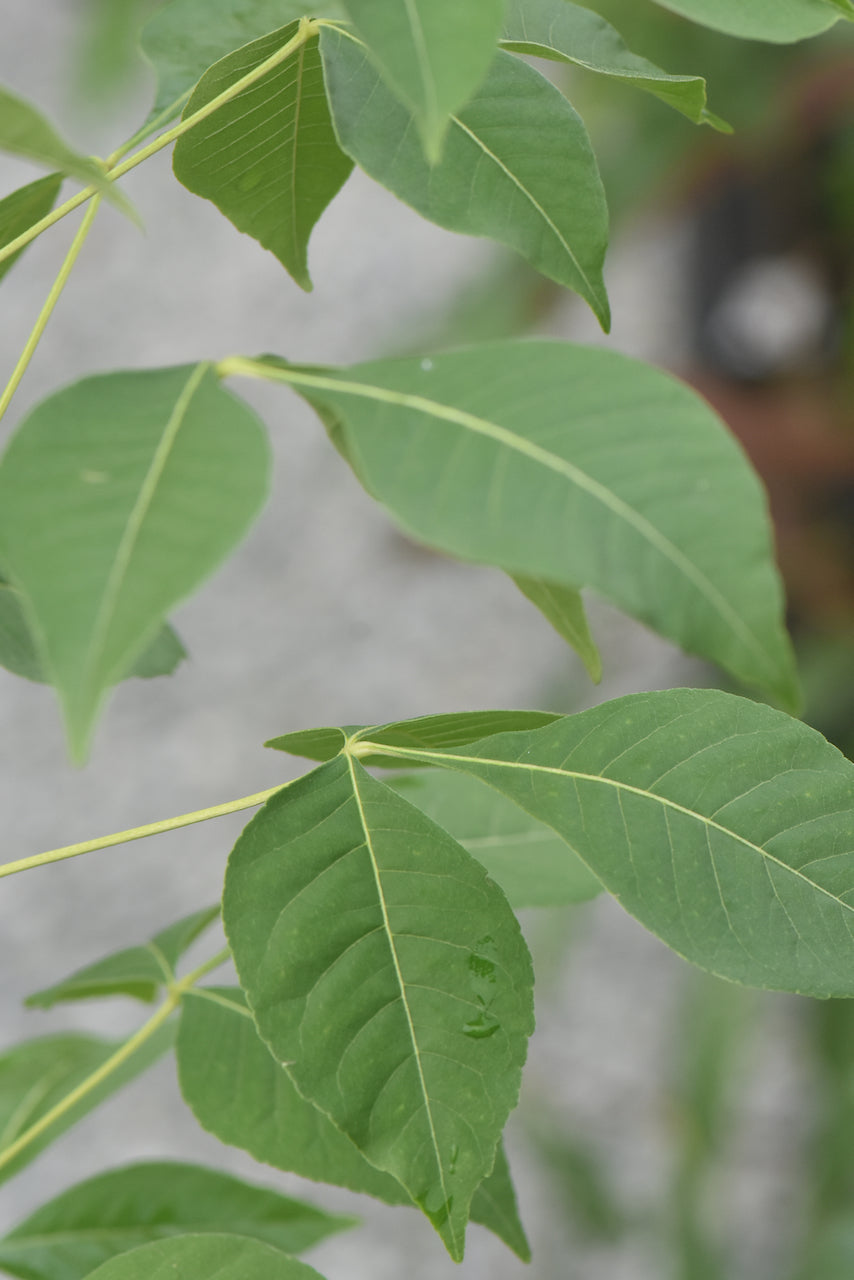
[
  {"x": 195, "y": 1257},
  {"x": 637, "y": 488},
  {"x": 389, "y": 972},
  {"x": 774, "y": 21},
  {"x": 24, "y": 207},
  {"x": 268, "y": 159},
  {"x": 118, "y": 496},
  {"x": 724, "y": 826},
  {"x": 427, "y": 731},
  {"x": 517, "y": 165},
  {"x": 565, "y": 32},
  {"x": 139, "y": 972},
  {"x": 113, "y": 1212},
  {"x": 39, "y": 1074},
  {"x": 564, "y": 609},
  {"x": 25, "y": 132},
  {"x": 183, "y": 39},
  {"x": 432, "y": 53},
  {"x": 218, "y": 1045},
  {"x": 531, "y": 864},
  {"x": 18, "y": 650}
]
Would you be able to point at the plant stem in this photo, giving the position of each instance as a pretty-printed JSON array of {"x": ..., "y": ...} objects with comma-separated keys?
[
  {"x": 47, "y": 310},
  {"x": 124, "y": 1051},
  {"x": 307, "y": 29},
  {"x": 137, "y": 833}
]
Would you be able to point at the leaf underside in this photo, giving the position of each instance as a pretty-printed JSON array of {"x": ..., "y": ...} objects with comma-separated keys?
[{"x": 780, "y": 21}]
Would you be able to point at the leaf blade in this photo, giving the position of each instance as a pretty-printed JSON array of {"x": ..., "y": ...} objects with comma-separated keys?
[
  {"x": 564, "y": 608},
  {"x": 776, "y": 21},
  {"x": 24, "y": 207},
  {"x": 194, "y": 1257}
]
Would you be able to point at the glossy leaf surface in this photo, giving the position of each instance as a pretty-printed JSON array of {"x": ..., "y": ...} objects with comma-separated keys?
[
  {"x": 517, "y": 165},
  {"x": 527, "y": 859},
  {"x": 205, "y": 1257},
  {"x": 118, "y": 496},
  {"x": 578, "y": 466},
  {"x": 432, "y": 53},
  {"x": 268, "y": 159},
  {"x": 724, "y": 826},
  {"x": 24, "y": 207},
  {"x": 779, "y": 21},
  {"x": 385, "y": 968},
  {"x": 139, "y": 972},
  {"x": 564, "y": 609},
  {"x": 38, "y": 1074},
  {"x": 123, "y": 1209},
  {"x": 565, "y": 32}
]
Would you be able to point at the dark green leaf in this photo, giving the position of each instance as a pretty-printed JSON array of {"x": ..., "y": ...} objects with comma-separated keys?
[
  {"x": 18, "y": 651},
  {"x": 24, "y": 207},
  {"x": 139, "y": 972},
  {"x": 268, "y": 159},
  {"x": 113, "y": 1212},
  {"x": 118, "y": 496},
  {"x": 564, "y": 609},
  {"x": 208, "y": 1257},
  {"x": 494, "y": 1207},
  {"x": 38, "y": 1074},
  {"x": 388, "y": 971},
  {"x": 565, "y": 32},
  {"x": 578, "y": 466},
  {"x": 432, "y": 53},
  {"x": 517, "y": 165},
  {"x": 530, "y": 862},
  {"x": 726, "y": 827},
  {"x": 776, "y": 21}
]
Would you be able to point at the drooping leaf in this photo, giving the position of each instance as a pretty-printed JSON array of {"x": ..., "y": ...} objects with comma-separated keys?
[
  {"x": 18, "y": 652},
  {"x": 183, "y": 39},
  {"x": 565, "y": 32},
  {"x": 139, "y": 972},
  {"x": 113, "y": 1212},
  {"x": 578, "y": 466},
  {"x": 39, "y": 1074},
  {"x": 24, "y": 207},
  {"x": 268, "y": 159},
  {"x": 564, "y": 608},
  {"x": 238, "y": 1091},
  {"x": 205, "y": 1257},
  {"x": 530, "y": 862},
  {"x": 388, "y": 971},
  {"x": 724, "y": 826},
  {"x": 432, "y": 53},
  {"x": 118, "y": 496},
  {"x": 775, "y": 21},
  {"x": 25, "y": 132},
  {"x": 517, "y": 165}
]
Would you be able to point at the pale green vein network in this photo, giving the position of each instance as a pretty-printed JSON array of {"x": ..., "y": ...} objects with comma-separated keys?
[
  {"x": 402, "y": 985},
  {"x": 367, "y": 748}
]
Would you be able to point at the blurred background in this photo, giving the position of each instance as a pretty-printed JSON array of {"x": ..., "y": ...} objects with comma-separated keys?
[{"x": 671, "y": 1125}]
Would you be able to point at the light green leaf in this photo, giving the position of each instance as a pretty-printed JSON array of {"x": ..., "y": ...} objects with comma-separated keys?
[
  {"x": 205, "y": 1257},
  {"x": 565, "y": 32},
  {"x": 432, "y": 53},
  {"x": 139, "y": 972},
  {"x": 38, "y": 1074},
  {"x": 25, "y": 132},
  {"x": 578, "y": 466},
  {"x": 389, "y": 972},
  {"x": 24, "y": 207},
  {"x": 218, "y": 1044},
  {"x": 113, "y": 1212},
  {"x": 268, "y": 159},
  {"x": 531, "y": 864},
  {"x": 724, "y": 826},
  {"x": 517, "y": 164},
  {"x": 775, "y": 21},
  {"x": 183, "y": 39},
  {"x": 18, "y": 650},
  {"x": 118, "y": 496},
  {"x": 564, "y": 609}
]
